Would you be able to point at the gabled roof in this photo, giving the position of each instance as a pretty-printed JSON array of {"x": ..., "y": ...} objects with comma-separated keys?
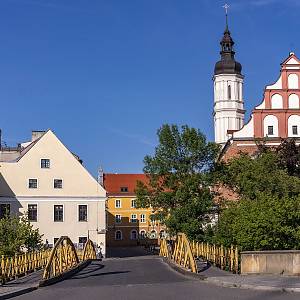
[
  {"x": 292, "y": 59},
  {"x": 114, "y": 182}
]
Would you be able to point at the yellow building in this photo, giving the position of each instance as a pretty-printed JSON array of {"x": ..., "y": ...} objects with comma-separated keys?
[{"x": 126, "y": 224}]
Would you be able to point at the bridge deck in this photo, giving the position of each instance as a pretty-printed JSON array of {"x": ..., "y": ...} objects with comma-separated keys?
[{"x": 139, "y": 278}]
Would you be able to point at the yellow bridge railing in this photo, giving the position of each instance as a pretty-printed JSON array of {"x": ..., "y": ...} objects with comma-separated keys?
[
  {"x": 184, "y": 253},
  {"x": 21, "y": 264},
  {"x": 64, "y": 257},
  {"x": 219, "y": 256},
  {"x": 61, "y": 258}
]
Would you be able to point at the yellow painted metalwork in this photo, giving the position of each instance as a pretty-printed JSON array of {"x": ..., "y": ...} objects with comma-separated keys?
[
  {"x": 89, "y": 251},
  {"x": 220, "y": 256},
  {"x": 63, "y": 257},
  {"x": 164, "y": 249},
  {"x": 21, "y": 264},
  {"x": 186, "y": 252}
]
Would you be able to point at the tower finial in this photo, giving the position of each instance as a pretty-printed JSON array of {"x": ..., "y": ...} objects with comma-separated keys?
[{"x": 226, "y": 6}]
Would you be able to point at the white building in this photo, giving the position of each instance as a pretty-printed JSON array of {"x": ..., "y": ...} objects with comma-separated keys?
[
  {"x": 228, "y": 92},
  {"x": 44, "y": 179}
]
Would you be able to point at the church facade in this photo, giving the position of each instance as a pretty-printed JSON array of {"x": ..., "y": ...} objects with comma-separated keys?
[{"x": 277, "y": 117}]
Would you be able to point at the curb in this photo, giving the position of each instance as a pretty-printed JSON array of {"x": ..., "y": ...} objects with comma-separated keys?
[
  {"x": 215, "y": 281},
  {"x": 182, "y": 270},
  {"x": 20, "y": 292},
  {"x": 79, "y": 267}
]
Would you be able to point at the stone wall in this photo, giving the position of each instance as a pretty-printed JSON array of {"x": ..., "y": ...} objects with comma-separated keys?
[{"x": 284, "y": 262}]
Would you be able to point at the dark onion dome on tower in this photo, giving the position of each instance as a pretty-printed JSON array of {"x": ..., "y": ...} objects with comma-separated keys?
[{"x": 227, "y": 64}]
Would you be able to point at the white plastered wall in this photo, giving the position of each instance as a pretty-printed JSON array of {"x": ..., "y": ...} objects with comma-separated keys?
[
  {"x": 293, "y": 120},
  {"x": 271, "y": 120}
]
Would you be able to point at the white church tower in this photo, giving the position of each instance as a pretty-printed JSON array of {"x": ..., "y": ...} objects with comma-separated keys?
[{"x": 228, "y": 91}]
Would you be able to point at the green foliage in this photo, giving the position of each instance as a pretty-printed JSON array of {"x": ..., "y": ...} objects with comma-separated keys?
[
  {"x": 266, "y": 223},
  {"x": 249, "y": 177},
  {"x": 16, "y": 233},
  {"x": 267, "y": 216},
  {"x": 179, "y": 179}
]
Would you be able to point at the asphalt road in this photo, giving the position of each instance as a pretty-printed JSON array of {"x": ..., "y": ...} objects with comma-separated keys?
[{"x": 142, "y": 278}]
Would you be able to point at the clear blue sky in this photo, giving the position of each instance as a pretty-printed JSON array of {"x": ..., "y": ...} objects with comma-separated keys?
[{"x": 105, "y": 75}]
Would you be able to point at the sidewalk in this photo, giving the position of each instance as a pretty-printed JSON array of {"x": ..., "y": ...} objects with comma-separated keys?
[
  {"x": 256, "y": 282},
  {"x": 20, "y": 286}
]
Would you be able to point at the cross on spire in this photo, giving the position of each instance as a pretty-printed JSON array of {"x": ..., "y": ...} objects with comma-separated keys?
[{"x": 226, "y": 6}]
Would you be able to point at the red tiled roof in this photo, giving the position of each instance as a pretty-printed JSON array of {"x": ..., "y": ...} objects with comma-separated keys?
[{"x": 114, "y": 182}]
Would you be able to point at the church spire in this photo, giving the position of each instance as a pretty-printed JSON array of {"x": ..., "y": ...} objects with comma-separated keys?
[{"x": 227, "y": 64}]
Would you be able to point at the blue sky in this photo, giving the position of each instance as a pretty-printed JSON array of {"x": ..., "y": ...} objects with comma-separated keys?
[{"x": 105, "y": 75}]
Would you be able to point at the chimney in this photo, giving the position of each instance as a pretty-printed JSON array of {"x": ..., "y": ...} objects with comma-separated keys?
[{"x": 36, "y": 134}]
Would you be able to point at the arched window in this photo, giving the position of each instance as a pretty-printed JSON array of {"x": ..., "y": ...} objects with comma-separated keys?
[
  {"x": 293, "y": 81},
  {"x": 270, "y": 126},
  {"x": 142, "y": 234},
  {"x": 294, "y": 126},
  {"x": 276, "y": 101},
  {"x": 133, "y": 235},
  {"x": 118, "y": 235},
  {"x": 293, "y": 101},
  {"x": 229, "y": 92}
]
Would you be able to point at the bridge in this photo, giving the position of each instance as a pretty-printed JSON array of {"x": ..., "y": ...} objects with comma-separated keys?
[{"x": 139, "y": 275}]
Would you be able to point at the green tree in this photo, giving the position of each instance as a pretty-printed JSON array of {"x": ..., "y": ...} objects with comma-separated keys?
[
  {"x": 266, "y": 223},
  {"x": 179, "y": 179},
  {"x": 16, "y": 233}
]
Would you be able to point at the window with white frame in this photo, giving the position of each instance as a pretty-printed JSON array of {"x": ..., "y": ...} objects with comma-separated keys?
[
  {"x": 133, "y": 218},
  {"x": 133, "y": 203},
  {"x": 118, "y": 219},
  {"x": 45, "y": 163},
  {"x": 118, "y": 203},
  {"x": 32, "y": 212},
  {"x": 58, "y": 213},
  {"x": 82, "y": 213},
  {"x": 58, "y": 183},
  {"x": 143, "y": 218},
  {"x": 133, "y": 235},
  {"x": 118, "y": 235},
  {"x": 32, "y": 183}
]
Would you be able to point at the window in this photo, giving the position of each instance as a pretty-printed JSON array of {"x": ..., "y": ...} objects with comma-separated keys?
[
  {"x": 295, "y": 129},
  {"x": 32, "y": 212},
  {"x": 118, "y": 235},
  {"x": 45, "y": 163},
  {"x": 4, "y": 210},
  {"x": 133, "y": 235},
  {"x": 32, "y": 183},
  {"x": 142, "y": 234},
  {"x": 82, "y": 213},
  {"x": 133, "y": 218},
  {"x": 82, "y": 239},
  {"x": 143, "y": 218},
  {"x": 124, "y": 189},
  {"x": 229, "y": 92},
  {"x": 270, "y": 130},
  {"x": 55, "y": 240},
  {"x": 58, "y": 213},
  {"x": 58, "y": 183},
  {"x": 133, "y": 203},
  {"x": 118, "y": 203},
  {"x": 118, "y": 219}
]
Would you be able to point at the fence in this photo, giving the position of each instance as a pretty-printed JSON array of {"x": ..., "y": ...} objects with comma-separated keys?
[
  {"x": 13, "y": 267},
  {"x": 219, "y": 256},
  {"x": 224, "y": 258}
]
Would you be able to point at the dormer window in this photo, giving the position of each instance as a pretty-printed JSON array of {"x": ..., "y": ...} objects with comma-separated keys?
[{"x": 124, "y": 189}]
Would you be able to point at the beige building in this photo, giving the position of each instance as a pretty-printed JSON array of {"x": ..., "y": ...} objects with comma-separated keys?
[{"x": 44, "y": 179}]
